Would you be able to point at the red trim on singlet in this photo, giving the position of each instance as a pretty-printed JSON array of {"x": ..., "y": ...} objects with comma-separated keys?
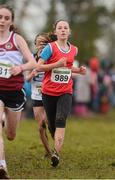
[
  {"x": 13, "y": 83},
  {"x": 57, "y": 89},
  {"x": 9, "y": 45}
]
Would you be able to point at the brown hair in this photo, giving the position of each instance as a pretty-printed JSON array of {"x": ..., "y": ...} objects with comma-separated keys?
[
  {"x": 55, "y": 24},
  {"x": 5, "y": 6},
  {"x": 45, "y": 35},
  {"x": 49, "y": 37}
]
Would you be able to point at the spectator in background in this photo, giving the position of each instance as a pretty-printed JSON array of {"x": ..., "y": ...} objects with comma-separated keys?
[
  {"x": 82, "y": 94},
  {"x": 94, "y": 66},
  {"x": 112, "y": 98},
  {"x": 105, "y": 86}
]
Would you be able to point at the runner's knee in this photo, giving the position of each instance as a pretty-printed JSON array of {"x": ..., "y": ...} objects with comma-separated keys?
[
  {"x": 60, "y": 122},
  {"x": 11, "y": 136}
]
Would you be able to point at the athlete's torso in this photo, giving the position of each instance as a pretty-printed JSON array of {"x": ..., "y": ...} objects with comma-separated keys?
[
  {"x": 59, "y": 81},
  {"x": 9, "y": 56}
]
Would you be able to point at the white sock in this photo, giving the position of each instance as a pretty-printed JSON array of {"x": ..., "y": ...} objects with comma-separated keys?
[{"x": 3, "y": 163}]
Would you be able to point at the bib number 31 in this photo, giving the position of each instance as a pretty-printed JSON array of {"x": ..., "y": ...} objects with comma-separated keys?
[{"x": 5, "y": 71}]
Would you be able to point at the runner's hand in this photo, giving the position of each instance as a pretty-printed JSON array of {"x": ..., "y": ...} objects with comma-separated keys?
[
  {"x": 15, "y": 70},
  {"x": 31, "y": 75},
  {"x": 82, "y": 70}
]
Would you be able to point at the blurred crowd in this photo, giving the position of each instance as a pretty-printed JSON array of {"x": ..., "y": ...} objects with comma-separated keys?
[{"x": 95, "y": 91}]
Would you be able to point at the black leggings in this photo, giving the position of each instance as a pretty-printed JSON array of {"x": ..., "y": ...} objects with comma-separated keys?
[{"x": 57, "y": 109}]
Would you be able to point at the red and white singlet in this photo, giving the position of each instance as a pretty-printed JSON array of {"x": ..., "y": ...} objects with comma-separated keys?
[{"x": 10, "y": 56}]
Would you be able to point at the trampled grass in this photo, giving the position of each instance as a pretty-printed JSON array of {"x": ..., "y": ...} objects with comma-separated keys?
[{"x": 88, "y": 151}]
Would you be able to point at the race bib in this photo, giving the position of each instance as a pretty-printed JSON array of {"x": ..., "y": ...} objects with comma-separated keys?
[
  {"x": 61, "y": 75},
  {"x": 36, "y": 92},
  {"x": 37, "y": 89},
  {"x": 5, "y": 70}
]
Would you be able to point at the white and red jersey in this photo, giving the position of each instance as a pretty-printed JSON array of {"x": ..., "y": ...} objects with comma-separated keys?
[
  {"x": 10, "y": 55},
  {"x": 59, "y": 81}
]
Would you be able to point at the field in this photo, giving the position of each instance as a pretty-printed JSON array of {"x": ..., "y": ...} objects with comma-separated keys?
[{"x": 88, "y": 151}]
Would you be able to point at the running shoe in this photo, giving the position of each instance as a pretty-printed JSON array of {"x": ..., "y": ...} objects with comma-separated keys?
[
  {"x": 54, "y": 159},
  {"x": 3, "y": 173}
]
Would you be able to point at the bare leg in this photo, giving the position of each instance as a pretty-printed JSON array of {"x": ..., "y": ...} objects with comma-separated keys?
[
  {"x": 13, "y": 119},
  {"x": 59, "y": 138},
  {"x": 3, "y": 166},
  {"x": 40, "y": 117},
  {"x": 2, "y": 154}
]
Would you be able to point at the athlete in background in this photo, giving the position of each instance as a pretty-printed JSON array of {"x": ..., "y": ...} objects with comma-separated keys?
[{"x": 36, "y": 95}]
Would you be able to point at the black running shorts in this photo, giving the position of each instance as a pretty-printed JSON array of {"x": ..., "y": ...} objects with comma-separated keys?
[{"x": 14, "y": 100}]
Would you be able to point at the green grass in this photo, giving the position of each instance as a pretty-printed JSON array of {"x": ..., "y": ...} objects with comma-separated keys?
[{"x": 88, "y": 151}]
